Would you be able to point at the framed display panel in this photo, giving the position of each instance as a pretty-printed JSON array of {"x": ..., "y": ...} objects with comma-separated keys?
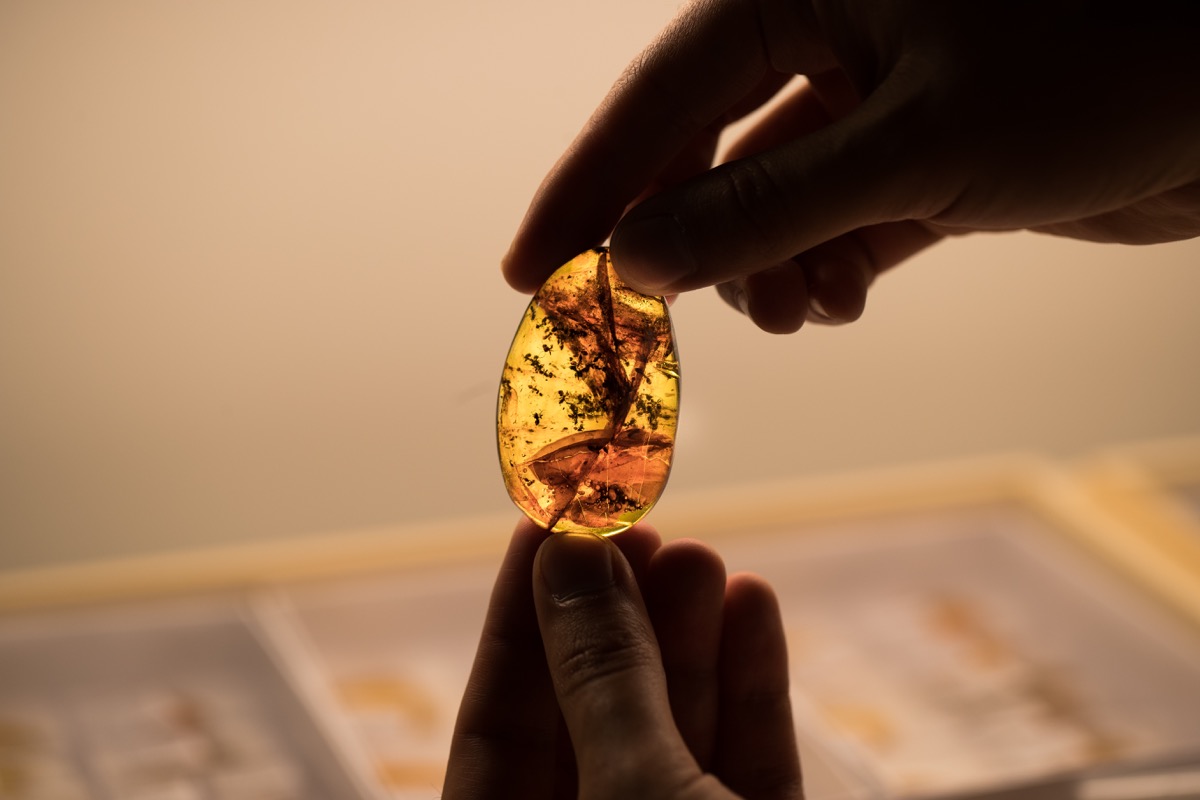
[
  {"x": 1154, "y": 489},
  {"x": 977, "y": 629},
  {"x": 960, "y": 652},
  {"x": 972, "y": 638},
  {"x": 390, "y": 655},
  {"x": 1169, "y": 467},
  {"x": 155, "y": 701}
]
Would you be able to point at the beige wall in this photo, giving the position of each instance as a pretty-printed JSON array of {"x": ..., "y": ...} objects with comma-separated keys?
[{"x": 248, "y": 284}]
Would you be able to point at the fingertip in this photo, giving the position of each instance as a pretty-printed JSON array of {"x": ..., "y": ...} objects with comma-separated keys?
[
  {"x": 751, "y": 592},
  {"x": 528, "y": 534},
  {"x": 640, "y": 529},
  {"x": 652, "y": 253},
  {"x": 771, "y": 312},
  {"x": 638, "y": 544},
  {"x": 754, "y": 618},
  {"x": 777, "y": 298},
  {"x": 527, "y": 527},
  {"x": 683, "y": 571},
  {"x": 685, "y": 591},
  {"x": 571, "y": 565},
  {"x": 689, "y": 557},
  {"x": 837, "y": 288},
  {"x": 514, "y": 266},
  {"x": 522, "y": 552}
]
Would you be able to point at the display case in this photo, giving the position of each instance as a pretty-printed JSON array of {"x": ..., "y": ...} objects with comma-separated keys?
[
  {"x": 982, "y": 629},
  {"x": 1153, "y": 489},
  {"x": 1160, "y": 475},
  {"x": 176, "y": 700}
]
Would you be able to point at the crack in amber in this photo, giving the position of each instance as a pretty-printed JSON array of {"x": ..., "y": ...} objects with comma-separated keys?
[{"x": 589, "y": 401}]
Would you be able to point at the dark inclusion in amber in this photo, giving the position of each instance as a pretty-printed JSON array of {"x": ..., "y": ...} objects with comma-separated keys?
[{"x": 589, "y": 401}]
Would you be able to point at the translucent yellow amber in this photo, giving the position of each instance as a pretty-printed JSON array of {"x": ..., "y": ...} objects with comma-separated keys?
[{"x": 589, "y": 401}]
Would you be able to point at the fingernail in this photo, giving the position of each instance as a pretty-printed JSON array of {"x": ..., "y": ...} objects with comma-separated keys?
[
  {"x": 652, "y": 254},
  {"x": 576, "y": 563},
  {"x": 743, "y": 302},
  {"x": 817, "y": 311}
]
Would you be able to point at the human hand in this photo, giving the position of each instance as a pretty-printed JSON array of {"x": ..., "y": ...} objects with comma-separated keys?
[
  {"x": 582, "y": 689},
  {"x": 918, "y": 119}
]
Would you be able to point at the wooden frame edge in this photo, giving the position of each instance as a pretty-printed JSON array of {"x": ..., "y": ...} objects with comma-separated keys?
[{"x": 710, "y": 513}]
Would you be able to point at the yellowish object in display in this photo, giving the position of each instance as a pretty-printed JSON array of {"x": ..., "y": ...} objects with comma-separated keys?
[{"x": 589, "y": 401}]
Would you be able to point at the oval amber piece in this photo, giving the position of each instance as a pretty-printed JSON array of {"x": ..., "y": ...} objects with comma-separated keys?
[{"x": 589, "y": 401}]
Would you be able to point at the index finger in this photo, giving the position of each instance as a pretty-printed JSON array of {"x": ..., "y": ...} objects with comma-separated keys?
[
  {"x": 508, "y": 718},
  {"x": 711, "y": 57}
]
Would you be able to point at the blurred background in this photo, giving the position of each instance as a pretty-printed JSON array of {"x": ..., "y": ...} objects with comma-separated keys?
[{"x": 249, "y": 285}]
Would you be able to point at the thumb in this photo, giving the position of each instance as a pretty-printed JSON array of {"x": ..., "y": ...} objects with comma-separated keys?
[
  {"x": 872, "y": 166},
  {"x": 607, "y": 672}
]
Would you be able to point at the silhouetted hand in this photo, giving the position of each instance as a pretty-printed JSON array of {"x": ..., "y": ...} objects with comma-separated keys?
[
  {"x": 581, "y": 689},
  {"x": 917, "y": 119}
]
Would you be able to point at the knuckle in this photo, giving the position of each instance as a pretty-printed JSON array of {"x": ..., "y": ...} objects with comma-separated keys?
[
  {"x": 755, "y": 196},
  {"x": 601, "y": 660}
]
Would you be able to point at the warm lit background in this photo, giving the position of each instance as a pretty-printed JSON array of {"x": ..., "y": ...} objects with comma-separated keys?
[{"x": 249, "y": 284}]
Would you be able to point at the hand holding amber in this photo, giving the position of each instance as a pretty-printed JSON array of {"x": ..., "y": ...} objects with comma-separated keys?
[
  {"x": 916, "y": 119},
  {"x": 670, "y": 678}
]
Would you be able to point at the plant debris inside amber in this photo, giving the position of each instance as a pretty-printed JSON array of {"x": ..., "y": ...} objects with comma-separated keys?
[{"x": 589, "y": 401}]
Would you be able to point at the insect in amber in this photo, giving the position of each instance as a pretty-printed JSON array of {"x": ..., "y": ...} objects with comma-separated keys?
[{"x": 589, "y": 401}]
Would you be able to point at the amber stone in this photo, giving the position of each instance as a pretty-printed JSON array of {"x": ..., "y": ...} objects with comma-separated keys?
[{"x": 589, "y": 401}]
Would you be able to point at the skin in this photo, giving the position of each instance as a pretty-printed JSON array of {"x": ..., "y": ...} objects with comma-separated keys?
[
  {"x": 623, "y": 667},
  {"x": 627, "y": 668},
  {"x": 913, "y": 120}
]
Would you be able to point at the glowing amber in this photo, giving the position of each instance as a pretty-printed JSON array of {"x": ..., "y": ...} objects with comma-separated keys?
[{"x": 589, "y": 401}]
